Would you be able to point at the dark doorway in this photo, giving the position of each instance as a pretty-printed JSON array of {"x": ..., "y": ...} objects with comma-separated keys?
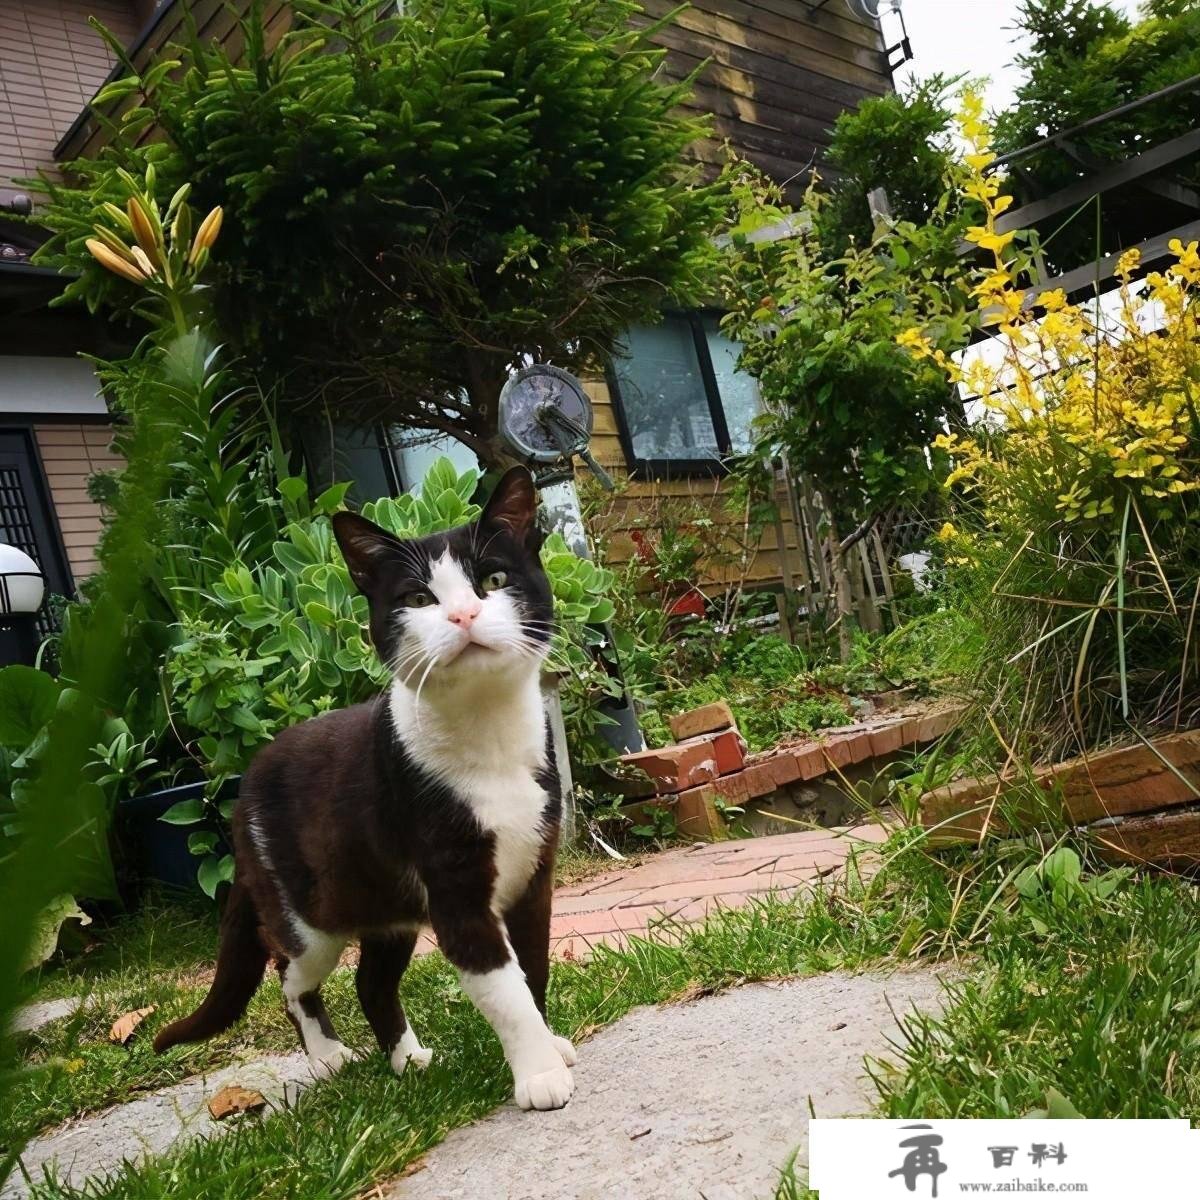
[{"x": 26, "y": 521}]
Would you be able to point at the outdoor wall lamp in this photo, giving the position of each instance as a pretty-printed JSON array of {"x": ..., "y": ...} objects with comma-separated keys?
[{"x": 22, "y": 587}]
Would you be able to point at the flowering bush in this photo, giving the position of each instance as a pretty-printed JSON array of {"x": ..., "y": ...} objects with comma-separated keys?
[
  {"x": 1082, "y": 470},
  {"x": 846, "y": 406}
]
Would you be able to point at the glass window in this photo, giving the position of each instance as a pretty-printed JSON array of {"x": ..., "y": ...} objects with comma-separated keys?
[
  {"x": 417, "y": 450},
  {"x": 662, "y": 393},
  {"x": 739, "y": 391},
  {"x": 683, "y": 404}
]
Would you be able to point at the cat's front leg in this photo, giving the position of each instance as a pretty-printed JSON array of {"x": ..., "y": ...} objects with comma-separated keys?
[
  {"x": 493, "y": 979},
  {"x": 528, "y": 926}
]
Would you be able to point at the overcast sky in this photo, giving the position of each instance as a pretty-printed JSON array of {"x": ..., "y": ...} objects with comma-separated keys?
[{"x": 974, "y": 36}]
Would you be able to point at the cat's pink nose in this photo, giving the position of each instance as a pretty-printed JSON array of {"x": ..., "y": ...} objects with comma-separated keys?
[{"x": 464, "y": 615}]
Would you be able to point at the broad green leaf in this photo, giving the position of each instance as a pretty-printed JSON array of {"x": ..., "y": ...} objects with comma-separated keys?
[
  {"x": 208, "y": 875},
  {"x": 320, "y": 614},
  {"x": 28, "y": 698},
  {"x": 293, "y": 488},
  {"x": 1059, "y": 1108},
  {"x": 185, "y": 812},
  {"x": 203, "y": 841}
]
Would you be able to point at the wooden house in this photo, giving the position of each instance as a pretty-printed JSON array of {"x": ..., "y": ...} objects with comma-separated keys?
[{"x": 778, "y": 73}]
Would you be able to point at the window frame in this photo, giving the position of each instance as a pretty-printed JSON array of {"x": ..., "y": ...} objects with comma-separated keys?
[{"x": 646, "y": 469}]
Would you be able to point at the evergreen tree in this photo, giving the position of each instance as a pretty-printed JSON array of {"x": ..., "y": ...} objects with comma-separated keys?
[{"x": 416, "y": 203}]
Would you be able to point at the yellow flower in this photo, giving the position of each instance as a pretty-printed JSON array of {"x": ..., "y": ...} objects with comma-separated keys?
[
  {"x": 1128, "y": 263},
  {"x": 988, "y": 239},
  {"x": 1182, "y": 252}
]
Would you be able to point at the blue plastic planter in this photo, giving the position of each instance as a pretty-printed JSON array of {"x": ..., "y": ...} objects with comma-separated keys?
[{"x": 159, "y": 851}]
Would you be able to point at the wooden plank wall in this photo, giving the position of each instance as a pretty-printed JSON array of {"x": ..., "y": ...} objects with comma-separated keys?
[
  {"x": 774, "y": 75},
  {"x": 778, "y": 74},
  {"x": 69, "y": 454},
  {"x": 639, "y": 505}
]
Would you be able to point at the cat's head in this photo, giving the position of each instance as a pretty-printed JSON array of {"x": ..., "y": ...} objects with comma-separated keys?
[{"x": 472, "y": 600}]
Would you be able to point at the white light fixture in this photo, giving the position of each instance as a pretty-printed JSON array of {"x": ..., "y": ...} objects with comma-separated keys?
[{"x": 22, "y": 585}]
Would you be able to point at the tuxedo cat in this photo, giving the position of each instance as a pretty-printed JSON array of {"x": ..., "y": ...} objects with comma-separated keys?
[{"x": 436, "y": 803}]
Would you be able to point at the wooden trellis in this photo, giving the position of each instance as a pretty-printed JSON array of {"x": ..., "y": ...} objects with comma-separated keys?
[{"x": 808, "y": 570}]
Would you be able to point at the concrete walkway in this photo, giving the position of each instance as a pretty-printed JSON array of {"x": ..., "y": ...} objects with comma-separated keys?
[
  {"x": 94, "y": 1146},
  {"x": 699, "y": 1101}
]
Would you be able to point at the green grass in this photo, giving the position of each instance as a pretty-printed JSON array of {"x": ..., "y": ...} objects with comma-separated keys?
[
  {"x": 1098, "y": 999},
  {"x": 344, "y": 1134},
  {"x": 1080, "y": 985},
  {"x": 167, "y": 937},
  {"x": 160, "y": 956},
  {"x": 790, "y": 1187}
]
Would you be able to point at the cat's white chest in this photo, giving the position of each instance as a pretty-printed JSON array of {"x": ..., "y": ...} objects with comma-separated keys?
[
  {"x": 491, "y": 766},
  {"x": 509, "y": 806}
]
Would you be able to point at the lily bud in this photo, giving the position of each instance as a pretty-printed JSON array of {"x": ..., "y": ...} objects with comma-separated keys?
[
  {"x": 114, "y": 262},
  {"x": 181, "y": 194},
  {"x": 143, "y": 229},
  {"x": 143, "y": 261},
  {"x": 181, "y": 227},
  {"x": 207, "y": 233},
  {"x": 118, "y": 214},
  {"x": 114, "y": 243}
]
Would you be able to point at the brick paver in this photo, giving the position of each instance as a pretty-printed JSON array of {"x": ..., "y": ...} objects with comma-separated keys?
[{"x": 686, "y": 884}]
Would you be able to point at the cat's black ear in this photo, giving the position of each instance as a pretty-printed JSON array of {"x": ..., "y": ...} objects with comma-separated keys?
[
  {"x": 365, "y": 547},
  {"x": 513, "y": 505}
]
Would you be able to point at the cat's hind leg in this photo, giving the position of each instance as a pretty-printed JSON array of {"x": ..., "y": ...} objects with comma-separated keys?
[
  {"x": 301, "y": 978},
  {"x": 383, "y": 959}
]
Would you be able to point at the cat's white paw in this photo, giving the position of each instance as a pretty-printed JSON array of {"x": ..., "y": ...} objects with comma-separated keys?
[
  {"x": 330, "y": 1060},
  {"x": 550, "y": 1089},
  {"x": 419, "y": 1056},
  {"x": 569, "y": 1054}
]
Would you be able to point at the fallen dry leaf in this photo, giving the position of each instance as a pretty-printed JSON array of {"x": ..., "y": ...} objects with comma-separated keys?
[
  {"x": 230, "y": 1101},
  {"x": 123, "y": 1027}
]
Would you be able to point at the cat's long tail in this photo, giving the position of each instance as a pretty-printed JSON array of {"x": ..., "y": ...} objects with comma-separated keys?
[{"x": 241, "y": 962}]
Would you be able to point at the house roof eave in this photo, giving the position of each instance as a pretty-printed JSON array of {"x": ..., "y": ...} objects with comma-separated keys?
[{"x": 147, "y": 31}]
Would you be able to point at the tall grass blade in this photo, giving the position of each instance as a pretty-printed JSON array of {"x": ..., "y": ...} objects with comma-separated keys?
[{"x": 1122, "y": 555}]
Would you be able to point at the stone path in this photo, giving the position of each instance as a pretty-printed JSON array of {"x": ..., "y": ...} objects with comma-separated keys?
[
  {"x": 686, "y": 884},
  {"x": 98, "y": 1144},
  {"x": 705, "y": 1100},
  {"x": 34, "y": 1016}
]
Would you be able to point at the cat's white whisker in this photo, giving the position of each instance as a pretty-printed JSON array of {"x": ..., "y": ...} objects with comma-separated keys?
[
  {"x": 415, "y": 668},
  {"x": 417, "y": 699},
  {"x": 402, "y": 660}
]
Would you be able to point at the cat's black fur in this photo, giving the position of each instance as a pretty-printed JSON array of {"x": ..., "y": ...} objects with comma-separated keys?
[{"x": 338, "y": 825}]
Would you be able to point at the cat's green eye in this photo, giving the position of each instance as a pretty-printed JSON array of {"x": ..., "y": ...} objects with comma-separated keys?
[
  {"x": 418, "y": 600},
  {"x": 497, "y": 579}
]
